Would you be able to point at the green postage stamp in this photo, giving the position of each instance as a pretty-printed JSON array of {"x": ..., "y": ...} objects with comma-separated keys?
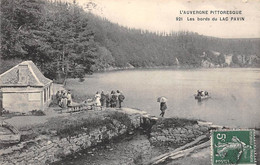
[{"x": 233, "y": 147}]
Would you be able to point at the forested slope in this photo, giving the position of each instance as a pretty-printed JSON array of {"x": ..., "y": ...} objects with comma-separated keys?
[
  {"x": 141, "y": 48},
  {"x": 54, "y": 35}
]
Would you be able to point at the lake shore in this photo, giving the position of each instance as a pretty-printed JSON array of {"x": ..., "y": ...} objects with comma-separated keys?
[
  {"x": 174, "y": 67},
  {"x": 51, "y": 133},
  {"x": 232, "y": 91},
  {"x": 199, "y": 157},
  {"x": 89, "y": 135},
  {"x": 56, "y": 137},
  {"x": 133, "y": 148},
  {"x": 64, "y": 136}
]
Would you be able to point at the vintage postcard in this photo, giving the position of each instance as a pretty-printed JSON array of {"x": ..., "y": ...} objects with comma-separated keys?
[{"x": 114, "y": 82}]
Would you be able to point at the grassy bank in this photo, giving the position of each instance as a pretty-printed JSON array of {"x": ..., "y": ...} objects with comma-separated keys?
[{"x": 72, "y": 125}]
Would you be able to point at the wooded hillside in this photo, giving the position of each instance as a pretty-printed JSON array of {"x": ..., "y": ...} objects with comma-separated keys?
[
  {"x": 141, "y": 48},
  {"x": 54, "y": 35}
]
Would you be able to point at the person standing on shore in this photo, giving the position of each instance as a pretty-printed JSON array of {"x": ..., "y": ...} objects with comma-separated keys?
[
  {"x": 97, "y": 99},
  {"x": 163, "y": 108},
  {"x": 121, "y": 98},
  {"x": 107, "y": 99},
  {"x": 113, "y": 99},
  {"x": 58, "y": 97},
  {"x": 117, "y": 98},
  {"x": 64, "y": 100},
  {"x": 69, "y": 97},
  {"x": 163, "y": 105},
  {"x": 103, "y": 99}
]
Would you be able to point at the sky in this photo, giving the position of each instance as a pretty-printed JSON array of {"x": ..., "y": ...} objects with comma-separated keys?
[{"x": 160, "y": 15}]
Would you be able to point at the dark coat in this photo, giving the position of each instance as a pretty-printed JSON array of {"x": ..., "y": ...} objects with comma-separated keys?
[
  {"x": 121, "y": 97},
  {"x": 163, "y": 106}
]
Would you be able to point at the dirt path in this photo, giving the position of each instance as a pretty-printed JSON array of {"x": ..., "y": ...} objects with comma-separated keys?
[{"x": 24, "y": 121}]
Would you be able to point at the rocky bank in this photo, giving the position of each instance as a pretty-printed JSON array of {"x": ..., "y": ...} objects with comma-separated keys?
[
  {"x": 62, "y": 136},
  {"x": 176, "y": 132}
]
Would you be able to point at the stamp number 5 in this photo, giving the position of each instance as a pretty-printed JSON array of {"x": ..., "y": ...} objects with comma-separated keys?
[{"x": 221, "y": 137}]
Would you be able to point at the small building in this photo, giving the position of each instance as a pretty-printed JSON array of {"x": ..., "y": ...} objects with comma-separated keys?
[
  {"x": 207, "y": 64},
  {"x": 25, "y": 88},
  {"x": 228, "y": 59}
]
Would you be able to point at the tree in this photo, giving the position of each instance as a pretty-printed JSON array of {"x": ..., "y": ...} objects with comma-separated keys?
[
  {"x": 221, "y": 59},
  {"x": 19, "y": 19},
  {"x": 81, "y": 46},
  {"x": 22, "y": 35},
  {"x": 56, "y": 36}
]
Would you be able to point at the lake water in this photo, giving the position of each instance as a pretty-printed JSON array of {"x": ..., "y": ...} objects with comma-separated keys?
[{"x": 235, "y": 92}]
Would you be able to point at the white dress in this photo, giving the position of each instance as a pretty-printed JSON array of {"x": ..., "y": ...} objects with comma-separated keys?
[{"x": 97, "y": 97}]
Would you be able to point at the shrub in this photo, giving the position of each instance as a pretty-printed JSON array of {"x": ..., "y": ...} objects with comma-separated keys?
[
  {"x": 5, "y": 111},
  {"x": 122, "y": 118},
  {"x": 37, "y": 113}
]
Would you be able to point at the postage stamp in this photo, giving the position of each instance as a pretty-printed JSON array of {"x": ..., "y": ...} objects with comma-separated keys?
[{"x": 233, "y": 147}]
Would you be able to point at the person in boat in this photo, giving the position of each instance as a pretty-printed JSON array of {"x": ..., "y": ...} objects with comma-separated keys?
[
  {"x": 163, "y": 108},
  {"x": 200, "y": 93}
]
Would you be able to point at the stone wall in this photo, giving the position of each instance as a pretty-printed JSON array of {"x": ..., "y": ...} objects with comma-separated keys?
[
  {"x": 50, "y": 148},
  {"x": 176, "y": 135},
  {"x": 19, "y": 102}
]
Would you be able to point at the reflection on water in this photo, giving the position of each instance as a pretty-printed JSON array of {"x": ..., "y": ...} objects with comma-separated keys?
[{"x": 234, "y": 92}]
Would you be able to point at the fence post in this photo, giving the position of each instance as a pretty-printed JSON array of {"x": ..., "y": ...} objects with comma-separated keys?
[{"x": 1, "y": 102}]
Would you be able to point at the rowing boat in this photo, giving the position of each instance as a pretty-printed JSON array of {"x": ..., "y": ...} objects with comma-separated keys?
[{"x": 201, "y": 97}]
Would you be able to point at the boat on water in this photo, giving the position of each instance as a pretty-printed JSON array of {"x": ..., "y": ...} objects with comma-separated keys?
[
  {"x": 201, "y": 95},
  {"x": 8, "y": 133},
  {"x": 199, "y": 98}
]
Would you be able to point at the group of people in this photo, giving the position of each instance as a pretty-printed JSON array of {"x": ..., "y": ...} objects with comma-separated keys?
[
  {"x": 64, "y": 98},
  {"x": 202, "y": 93},
  {"x": 109, "y": 99}
]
